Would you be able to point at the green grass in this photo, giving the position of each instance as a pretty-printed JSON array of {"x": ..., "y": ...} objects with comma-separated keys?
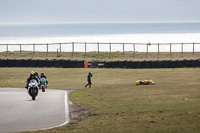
[
  {"x": 102, "y": 56},
  {"x": 117, "y": 105}
]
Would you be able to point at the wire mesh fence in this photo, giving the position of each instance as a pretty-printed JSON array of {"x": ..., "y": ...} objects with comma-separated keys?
[{"x": 86, "y": 47}]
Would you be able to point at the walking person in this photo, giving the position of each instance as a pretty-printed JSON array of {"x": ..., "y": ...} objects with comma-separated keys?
[{"x": 89, "y": 80}]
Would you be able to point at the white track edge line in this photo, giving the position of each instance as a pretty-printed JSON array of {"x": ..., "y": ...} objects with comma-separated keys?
[{"x": 67, "y": 116}]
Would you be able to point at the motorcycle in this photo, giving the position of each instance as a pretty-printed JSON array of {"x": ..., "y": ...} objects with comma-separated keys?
[
  {"x": 33, "y": 88},
  {"x": 43, "y": 84}
]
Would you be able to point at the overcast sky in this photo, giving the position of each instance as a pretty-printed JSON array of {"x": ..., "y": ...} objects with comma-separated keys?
[{"x": 68, "y": 11}]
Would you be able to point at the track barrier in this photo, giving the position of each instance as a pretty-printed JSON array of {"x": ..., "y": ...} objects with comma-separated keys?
[
  {"x": 80, "y": 64},
  {"x": 107, "y": 64},
  {"x": 182, "y": 63},
  {"x": 122, "y": 64},
  {"x": 128, "y": 64},
  {"x": 148, "y": 64},
  {"x": 101, "y": 64},
  {"x": 18, "y": 63},
  {"x": 141, "y": 64},
  {"x": 34, "y": 63},
  {"x": 134, "y": 64},
  {"x": 161, "y": 64},
  {"x": 66, "y": 63},
  {"x": 154, "y": 64},
  {"x": 167, "y": 63},
  {"x": 42, "y": 63},
  {"x": 58, "y": 63}
]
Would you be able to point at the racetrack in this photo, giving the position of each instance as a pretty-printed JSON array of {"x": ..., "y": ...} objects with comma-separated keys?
[{"x": 18, "y": 112}]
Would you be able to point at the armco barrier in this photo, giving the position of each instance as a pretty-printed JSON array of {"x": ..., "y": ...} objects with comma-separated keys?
[
  {"x": 154, "y": 64},
  {"x": 148, "y": 64},
  {"x": 42, "y": 63},
  {"x": 161, "y": 64},
  {"x": 174, "y": 64},
  {"x": 11, "y": 63},
  {"x": 167, "y": 63},
  {"x": 141, "y": 64}
]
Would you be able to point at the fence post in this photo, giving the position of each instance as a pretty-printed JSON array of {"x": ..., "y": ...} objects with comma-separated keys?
[
  {"x": 57, "y": 53},
  {"x": 60, "y": 48},
  {"x": 193, "y": 49},
  {"x": 170, "y": 50},
  {"x": 98, "y": 48},
  {"x": 158, "y": 50},
  {"x": 47, "y": 49},
  {"x": 85, "y": 48},
  {"x": 6, "y": 50},
  {"x": 134, "y": 50},
  {"x": 33, "y": 49},
  {"x": 110, "y": 51},
  {"x": 72, "y": 49},
  {"x": 123, "y": 49},
  {"x": 181, "y": 49},
  {"x": 20, "y": 49},
  {"x": 147, "y": 50}
]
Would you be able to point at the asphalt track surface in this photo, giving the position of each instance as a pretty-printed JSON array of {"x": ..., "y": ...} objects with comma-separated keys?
[{"x": 18, "y": 112}]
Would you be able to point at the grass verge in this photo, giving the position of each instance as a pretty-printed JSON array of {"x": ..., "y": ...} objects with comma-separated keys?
[
  {"x": 117, "y": 105},
  {"x": 102, "y": 56}
]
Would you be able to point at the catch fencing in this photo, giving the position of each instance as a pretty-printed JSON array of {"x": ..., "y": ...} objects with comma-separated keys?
[{"x": 97, "y": 47}]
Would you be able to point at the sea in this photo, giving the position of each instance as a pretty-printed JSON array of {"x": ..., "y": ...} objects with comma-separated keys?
[{"x": 137, "y": 35}]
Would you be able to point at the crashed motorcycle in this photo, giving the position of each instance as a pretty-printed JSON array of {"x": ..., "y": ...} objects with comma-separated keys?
[
  {"x": 33, "y": 88},
  {"x": 43, "y": 84}
]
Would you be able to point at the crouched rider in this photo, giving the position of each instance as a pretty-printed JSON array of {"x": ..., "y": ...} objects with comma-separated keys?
[
  {"x": 32, "y": 76},
  {"x": 43, "y": 76}
]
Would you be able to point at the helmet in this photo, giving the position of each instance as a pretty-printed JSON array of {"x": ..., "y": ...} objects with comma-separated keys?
[
  {"x": 32, "y": 73},
  {"x": 42, "y": 73},
  {"x": 36, "y": 73}
]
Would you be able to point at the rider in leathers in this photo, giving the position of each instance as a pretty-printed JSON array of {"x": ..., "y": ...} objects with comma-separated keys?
[
  {"x": 32, "y": 76},
  {"x": 43, "y": 76}
]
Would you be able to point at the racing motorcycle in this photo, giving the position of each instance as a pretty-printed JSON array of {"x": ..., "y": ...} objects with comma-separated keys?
[
  {"x": 33, "y": 88},
  {"x": 43, "y": 84}
]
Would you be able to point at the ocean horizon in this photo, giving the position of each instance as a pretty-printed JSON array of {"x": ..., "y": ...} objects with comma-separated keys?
[{"x": 184, "y": 32}]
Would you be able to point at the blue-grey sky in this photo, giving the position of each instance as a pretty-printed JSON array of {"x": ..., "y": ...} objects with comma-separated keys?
[{"x": 68, "y": 11}]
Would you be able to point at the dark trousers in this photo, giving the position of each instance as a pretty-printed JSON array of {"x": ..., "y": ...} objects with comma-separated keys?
[{"x": 89, "y": 83}]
